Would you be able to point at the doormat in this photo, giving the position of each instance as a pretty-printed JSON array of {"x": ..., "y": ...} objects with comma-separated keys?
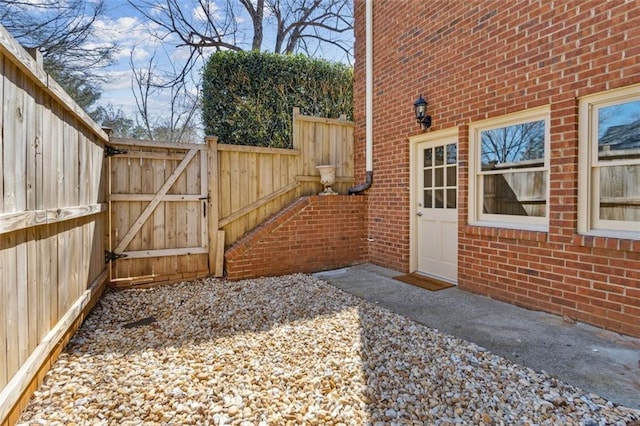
[{"x": 423, "y": 282}]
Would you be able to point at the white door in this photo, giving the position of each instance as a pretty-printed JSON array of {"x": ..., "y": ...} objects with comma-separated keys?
[{"x": 437, "y": 208}]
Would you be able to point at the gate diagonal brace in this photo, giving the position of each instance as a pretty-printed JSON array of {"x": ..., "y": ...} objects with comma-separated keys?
[{"x": 110, "y": 256}]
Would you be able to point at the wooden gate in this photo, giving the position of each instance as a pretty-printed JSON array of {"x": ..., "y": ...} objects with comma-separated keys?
[{"x": 158, "y": 207}]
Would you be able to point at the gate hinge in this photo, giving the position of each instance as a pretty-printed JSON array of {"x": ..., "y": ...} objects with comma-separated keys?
[
  {"x": 110, "y": 256},
  {"x": 110, "y": 151}
]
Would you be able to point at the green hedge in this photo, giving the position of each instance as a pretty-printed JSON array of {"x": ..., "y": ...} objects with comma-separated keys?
[{"x": 248, "y": 97}]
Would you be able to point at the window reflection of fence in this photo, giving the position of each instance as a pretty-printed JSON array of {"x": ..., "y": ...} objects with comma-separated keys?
[
  {"x": 620, "y": 192},
  {"x": 514, "y": 192}
]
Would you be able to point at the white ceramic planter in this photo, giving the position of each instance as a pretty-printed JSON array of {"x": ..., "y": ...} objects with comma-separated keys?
[{"x": 327, "y": 178}]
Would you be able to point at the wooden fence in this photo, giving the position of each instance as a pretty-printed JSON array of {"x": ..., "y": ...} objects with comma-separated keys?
[
  {"x": 174, "y": 207},
  {"x": 169, "y": 208},
  {"x": 52, "y": 222},
  {"x": 254, "y": 183}
]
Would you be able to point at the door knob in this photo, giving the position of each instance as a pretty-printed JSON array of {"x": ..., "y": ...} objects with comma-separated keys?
[{"x": 419, "y": 213}]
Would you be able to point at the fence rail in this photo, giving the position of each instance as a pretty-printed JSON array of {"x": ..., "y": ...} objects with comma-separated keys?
[{"x": 52, "y": 221}]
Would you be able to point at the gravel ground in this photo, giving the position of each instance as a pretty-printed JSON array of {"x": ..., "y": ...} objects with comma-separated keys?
[{"x": 289, "y": 350}]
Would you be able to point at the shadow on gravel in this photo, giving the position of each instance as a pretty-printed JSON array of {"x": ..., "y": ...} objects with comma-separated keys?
[{"x": 285, "y": 350}]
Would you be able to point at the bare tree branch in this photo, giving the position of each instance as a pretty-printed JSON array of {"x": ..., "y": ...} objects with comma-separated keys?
[
  {"x": 201, "y": 25},
  {"x": 178, "y": 121},
  {"x": 60, "y": 30}
]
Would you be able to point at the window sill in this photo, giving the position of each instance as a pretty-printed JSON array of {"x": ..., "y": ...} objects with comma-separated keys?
[
  {"x": 508, "y": 231},
  {"x": 612, "y": 240}
]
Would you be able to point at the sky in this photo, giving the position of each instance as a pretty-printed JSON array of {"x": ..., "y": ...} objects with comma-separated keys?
[
  {"x": 137, "y": 41},
  {"x": 131, "y": 32}
]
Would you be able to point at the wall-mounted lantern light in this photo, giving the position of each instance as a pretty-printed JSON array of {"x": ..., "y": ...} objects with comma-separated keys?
[{"x": 420, "y": 107}]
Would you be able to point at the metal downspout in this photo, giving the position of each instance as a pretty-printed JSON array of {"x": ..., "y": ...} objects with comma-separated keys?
[{"x": 368, "y": 102}]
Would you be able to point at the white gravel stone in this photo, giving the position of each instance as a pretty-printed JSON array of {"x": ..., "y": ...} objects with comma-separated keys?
[{"x": 288, "y": 351}]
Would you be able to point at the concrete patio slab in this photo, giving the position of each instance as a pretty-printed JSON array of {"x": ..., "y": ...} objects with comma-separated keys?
[{"x": 596, "y": 360}]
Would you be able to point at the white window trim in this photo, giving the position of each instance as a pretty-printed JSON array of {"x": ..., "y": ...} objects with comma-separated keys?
[
  {"x": 588, "y": 223},
  {"x": 476, "y": 216}
]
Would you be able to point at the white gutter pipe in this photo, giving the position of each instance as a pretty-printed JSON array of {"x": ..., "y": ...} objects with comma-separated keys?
[{"x": 368, "y": 102}]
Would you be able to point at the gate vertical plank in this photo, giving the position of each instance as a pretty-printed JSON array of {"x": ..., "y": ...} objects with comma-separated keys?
[
  {"x": 120, "y": 181},
  {"x": 182, "y": 223},
  {"x": 193, "y": 208},
  {"x": 159, "y": 219},
  {"x": 146, "y": 232},
  {"x": 135, "y": 185}
]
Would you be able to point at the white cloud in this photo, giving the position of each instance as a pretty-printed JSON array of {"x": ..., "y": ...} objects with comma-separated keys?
[
  {"x": 117, "y": 80},
  {"x": 212, "y": 9},
  {"x": 137, "y": 39},
  {"x": 132, "y": 38}
]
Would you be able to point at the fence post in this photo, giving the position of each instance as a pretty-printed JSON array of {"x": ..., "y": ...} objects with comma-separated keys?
[{"x": 216, "y": 237}]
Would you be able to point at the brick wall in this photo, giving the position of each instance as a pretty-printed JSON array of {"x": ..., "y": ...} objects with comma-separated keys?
[
  {"x": 313, "y": 234},
  {"x": 484, "y": 59}
]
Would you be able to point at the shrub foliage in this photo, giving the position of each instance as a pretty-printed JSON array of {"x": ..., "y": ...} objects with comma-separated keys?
[{"x": 248, "y": 97}]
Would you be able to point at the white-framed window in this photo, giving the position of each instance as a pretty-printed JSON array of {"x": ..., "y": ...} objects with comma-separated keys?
[
  {"x": 609, "y": 164},
  {"x": 509, "y": 171}
]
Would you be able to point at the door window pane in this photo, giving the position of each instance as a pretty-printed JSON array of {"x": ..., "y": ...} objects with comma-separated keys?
[
  {"x": 451, "y": 175},
  {"x": 428, "y": 157},
  {"x": 452, "y": 153},
  {"x": 451, "y": 198},
  {"x": 427, "y": 199},
  {"x": 428, "y": 179},
  {"x": 439, "y": 178},
  {"x": 438, "y": 198},
  {"x": 439, "y": 160}
]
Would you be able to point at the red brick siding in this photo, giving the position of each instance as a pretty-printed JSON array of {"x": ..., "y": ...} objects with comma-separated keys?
[
  {"x": 483, "y": 59},
  {"x": 313, "y": 234}
]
